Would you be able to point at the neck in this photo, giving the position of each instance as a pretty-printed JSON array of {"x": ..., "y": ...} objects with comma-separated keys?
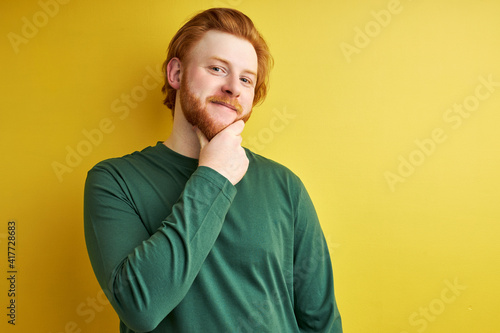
[{"x": 183, "y": 139}]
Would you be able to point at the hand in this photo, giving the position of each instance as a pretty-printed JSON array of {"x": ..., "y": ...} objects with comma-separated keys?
[{"x": 224, "y": 153}]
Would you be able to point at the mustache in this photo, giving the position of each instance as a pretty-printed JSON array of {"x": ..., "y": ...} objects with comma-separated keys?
[{"x": 227, "y": 101}]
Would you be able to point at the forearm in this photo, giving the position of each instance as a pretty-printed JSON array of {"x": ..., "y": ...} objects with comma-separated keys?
[
  {"x": 315, "y": 305},
  {"x": 145, "y": 284}
]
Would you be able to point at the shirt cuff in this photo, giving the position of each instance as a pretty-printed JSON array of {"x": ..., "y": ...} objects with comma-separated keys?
[{"x": 218, "y": 180}]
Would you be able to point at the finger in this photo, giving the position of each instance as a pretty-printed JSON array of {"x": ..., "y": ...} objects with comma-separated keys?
[
  {"x": 201, "y": 137},
  {"x": 237, "y": 127}
]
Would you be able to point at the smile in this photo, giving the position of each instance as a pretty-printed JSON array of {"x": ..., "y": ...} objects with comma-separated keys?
[{"x": 227, "y": 105}]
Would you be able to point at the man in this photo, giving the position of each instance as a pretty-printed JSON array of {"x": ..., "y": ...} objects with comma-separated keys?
[{"x": 198, "y": 234}]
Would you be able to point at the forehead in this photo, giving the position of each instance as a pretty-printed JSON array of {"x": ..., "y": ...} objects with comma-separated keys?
[{"x": 237, "y": 51}]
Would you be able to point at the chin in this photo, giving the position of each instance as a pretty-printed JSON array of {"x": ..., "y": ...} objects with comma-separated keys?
[{"x": 210, "y": 130}]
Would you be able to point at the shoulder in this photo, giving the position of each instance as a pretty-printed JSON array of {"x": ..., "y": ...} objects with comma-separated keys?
[{"x": 125, "y": 164}]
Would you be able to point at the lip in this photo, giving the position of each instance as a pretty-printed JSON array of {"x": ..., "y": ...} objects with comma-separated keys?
[{"x": 227, "y": 105}]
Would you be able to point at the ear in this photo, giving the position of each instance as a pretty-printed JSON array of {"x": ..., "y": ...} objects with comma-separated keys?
[{"x": 174, "y": 71}]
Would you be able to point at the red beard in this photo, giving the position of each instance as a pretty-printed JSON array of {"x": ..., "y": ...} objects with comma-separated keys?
[{"x": 197, "y": 114}]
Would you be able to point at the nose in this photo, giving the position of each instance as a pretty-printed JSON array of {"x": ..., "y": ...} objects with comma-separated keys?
[{"x": 231, "y": 86}]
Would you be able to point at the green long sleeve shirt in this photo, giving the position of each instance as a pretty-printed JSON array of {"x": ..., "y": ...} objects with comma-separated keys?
[{"x": 178, "y": 248}]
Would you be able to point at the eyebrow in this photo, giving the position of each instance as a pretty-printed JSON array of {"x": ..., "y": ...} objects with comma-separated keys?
[{"x": 227, "y": 63}]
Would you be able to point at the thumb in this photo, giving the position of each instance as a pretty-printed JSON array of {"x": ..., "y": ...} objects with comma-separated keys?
[{"x": 201, "y": 137}]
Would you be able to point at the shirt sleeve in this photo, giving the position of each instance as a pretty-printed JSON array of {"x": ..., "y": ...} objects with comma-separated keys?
[
  {"x": 146, "y": 276},
  {"x": 314, "y": 298}
]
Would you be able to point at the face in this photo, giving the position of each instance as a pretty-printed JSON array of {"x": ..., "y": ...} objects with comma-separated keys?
[{"x": 218, "y": 82}]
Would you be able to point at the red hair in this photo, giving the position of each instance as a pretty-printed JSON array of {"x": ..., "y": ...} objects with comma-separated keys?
[{"x": 226, "y": 20}]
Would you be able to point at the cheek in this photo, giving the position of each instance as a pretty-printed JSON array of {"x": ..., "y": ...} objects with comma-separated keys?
[
  {"x": 247, "y": 103},
  {"x": 199, "y": 84}
]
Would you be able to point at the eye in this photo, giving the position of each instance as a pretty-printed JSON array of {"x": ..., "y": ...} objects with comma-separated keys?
[
  {"x": 216, "y": 69},
  {"x": 246, "y": 81}
]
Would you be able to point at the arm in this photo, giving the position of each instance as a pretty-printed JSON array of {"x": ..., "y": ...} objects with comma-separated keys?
[
  {"x": 146, "y": 276},
  {"x": 315, "y": 306}
]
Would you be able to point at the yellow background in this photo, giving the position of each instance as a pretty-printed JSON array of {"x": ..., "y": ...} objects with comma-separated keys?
[{"x": 343, "y": 121}]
